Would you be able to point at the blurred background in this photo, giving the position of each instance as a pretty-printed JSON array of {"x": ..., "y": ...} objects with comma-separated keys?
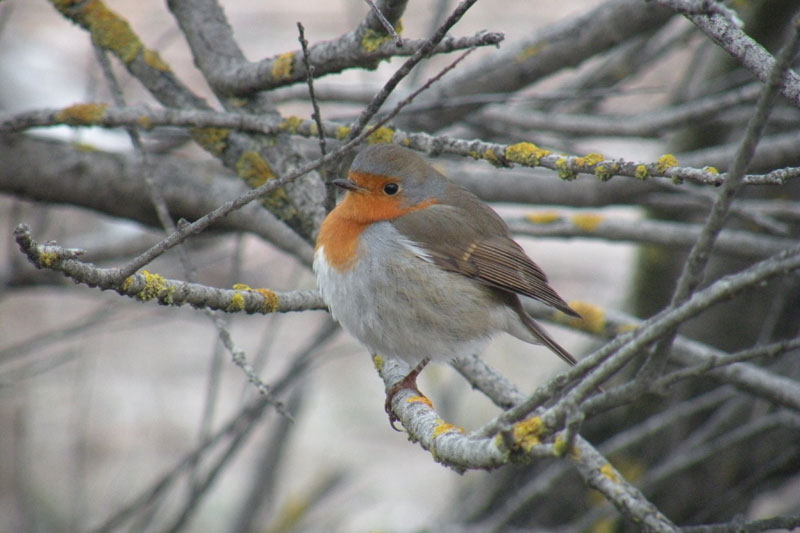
[{"x": 103, "y": 398}]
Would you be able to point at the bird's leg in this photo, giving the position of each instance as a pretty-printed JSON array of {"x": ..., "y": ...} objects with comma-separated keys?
[{"x": 408, "y": 382}]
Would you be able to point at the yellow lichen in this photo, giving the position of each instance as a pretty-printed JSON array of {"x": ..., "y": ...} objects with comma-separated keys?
[
  {"x": 126, "y": 284},
  {"x": 641, "y": 172},
  {"x": 215, "y": 140},
  {"x": 666, "y": 162},
  {"x": 603, "y": 525},
  {"x": 711, "y": 170},
  {"x": 291, "y": 124},
  {"x": 271, "y": 300},
  {"x": 82, "y": 114},
  {"x": 382, "y": 135},
  {"x": 528, "y": 432},
  {"x": 492, "y": 158},
  {"x": 526, "y": 153},
  {"x": 49, "y": 259},
  {"x": 543, "y": 217},
  {"x": 373, "y": 39},
  {"x": 145, "y": 122},
  {"x": 253, "y": 169},
  {"x": 606, "y": 172},
  {"x": 237, "y": 303},
  {"x": 342, "y": 132},
  {"x": 608, "y": 471},
  {"x": 564, "y": 170},
  {"x": 593, "y": 318},
  {"x": 531, "y": 51},
  {"x": 560, "y": 446},
  {"x": 443, "y": 427},
  {"x": 561, "y": 449},
  {"x": 589, "y": 160},
  {"x": 154, "y": 284},
  {"x": 152, "y": 58},
  {"x": 378, "y": 361},
  {"x": 283, "y": 65},
  {"x": 587, "y": 221},
  {"x": 421, "y": 399},
  {"x": 109, "y": 30}
]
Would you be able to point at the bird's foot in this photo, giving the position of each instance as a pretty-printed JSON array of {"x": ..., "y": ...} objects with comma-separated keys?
[{"x": 408, "y": 382}]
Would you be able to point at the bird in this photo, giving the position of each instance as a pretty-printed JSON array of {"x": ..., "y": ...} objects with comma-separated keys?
[{"x": 417, "y": 268}]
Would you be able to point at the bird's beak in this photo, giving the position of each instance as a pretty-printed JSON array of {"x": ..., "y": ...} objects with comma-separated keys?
[{"x": 348, "y": 185}]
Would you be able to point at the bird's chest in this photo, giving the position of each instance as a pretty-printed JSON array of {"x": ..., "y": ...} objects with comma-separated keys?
[
  {"x": 357, "y": 274},
  {"x": 395, "y": 301}
]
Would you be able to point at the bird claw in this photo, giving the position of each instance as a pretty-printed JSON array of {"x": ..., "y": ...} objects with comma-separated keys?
[{"x": 408, "y": 382}]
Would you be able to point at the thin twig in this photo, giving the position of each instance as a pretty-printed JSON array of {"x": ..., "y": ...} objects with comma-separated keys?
[
  {"x": 694, "y": 269},
  {"x": 316, "y": 116},
  {"x": 398, "y": 41},
  {"x": 423, "y": 52}
]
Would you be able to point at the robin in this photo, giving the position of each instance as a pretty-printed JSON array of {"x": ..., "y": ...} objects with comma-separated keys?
[{"x": 417, "y": 268}]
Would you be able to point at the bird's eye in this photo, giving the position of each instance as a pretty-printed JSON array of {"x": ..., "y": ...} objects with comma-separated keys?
[{"x": 391, "y": 188}]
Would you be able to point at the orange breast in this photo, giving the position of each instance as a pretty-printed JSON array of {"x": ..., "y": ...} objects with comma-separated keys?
[{"x": 339, "y": 235}]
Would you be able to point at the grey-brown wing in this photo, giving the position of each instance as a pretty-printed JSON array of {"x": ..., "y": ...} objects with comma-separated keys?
[{"x": 483, "y": 252}]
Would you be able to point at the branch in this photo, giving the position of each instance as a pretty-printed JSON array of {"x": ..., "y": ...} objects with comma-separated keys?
[
  {"x": 57, "y": 172},
  {"x": 664, "y": 233},
  {"x": 557, "y": 47},
  {"x": 145, "y": 286},
  {"x": 725, "y": 33},
  {"x": 595, "y": 368},
  {"x": 656, "y": 123},
  {"x": 522, "y": 153},
  {"x": 363, "y": 48}
]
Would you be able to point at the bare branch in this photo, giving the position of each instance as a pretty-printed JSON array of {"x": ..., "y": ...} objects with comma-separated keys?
[
  {"x": 145, "y": 286},
  {"x": 728, "y": 35}
]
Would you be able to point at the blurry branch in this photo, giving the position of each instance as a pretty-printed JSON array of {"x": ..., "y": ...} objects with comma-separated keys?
[
  {"x": 599, "y": 366},
  {"x": 57, "y": 172},
  {"x": 559, "y": 46},
  {"x": 695, "y": 269},
  {"x": 724, "y": 29},
  {"x": 664, "y": 233},
  {"x": 686, "y": 352},
  {"x": 775, "y": 150},
  {"x": 635, "y": 55},
  {"x": 656, "y": 123},
  {"x": 237, "y": 430},
  {"x": 82, "y": 326},
  {"x": 741, "y": 526},
  {"x": 145, "y": 286}
]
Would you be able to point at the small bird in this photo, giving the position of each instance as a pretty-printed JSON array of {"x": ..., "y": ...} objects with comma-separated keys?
[{"x": 417, "y": 268}]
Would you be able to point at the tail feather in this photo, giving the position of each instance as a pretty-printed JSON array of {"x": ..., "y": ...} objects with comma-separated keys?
[
  {"x": 540, "y": 334},
  {"x": 547, "y": 340}
]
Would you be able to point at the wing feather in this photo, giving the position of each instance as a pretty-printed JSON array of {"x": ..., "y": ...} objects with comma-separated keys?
[{"x": 484, "y": 252}]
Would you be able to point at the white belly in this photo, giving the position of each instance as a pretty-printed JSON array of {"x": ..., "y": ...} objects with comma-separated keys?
[{"x": 404, "y": 306}]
